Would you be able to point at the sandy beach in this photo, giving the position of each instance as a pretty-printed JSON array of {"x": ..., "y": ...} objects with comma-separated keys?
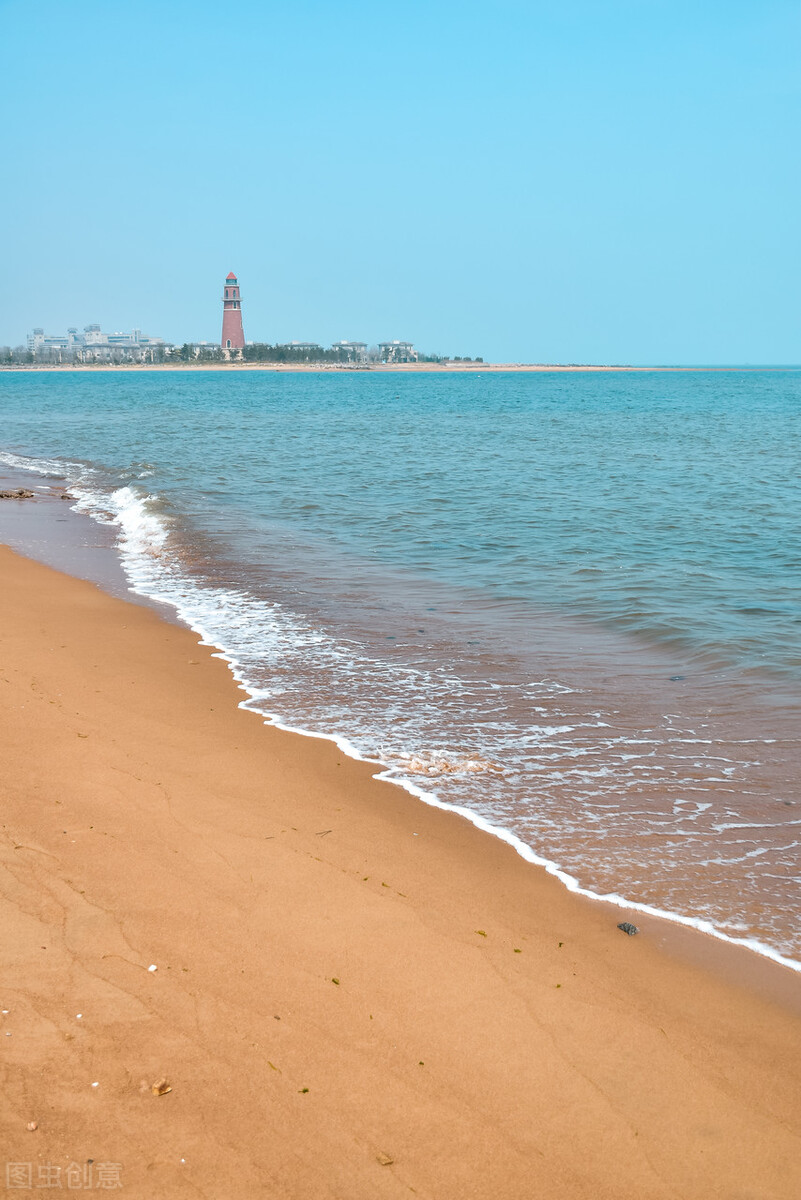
[
  {"x": 349, "y": 994},
  {"x": 302, "y": 367},
  {"x": 408, "y": 368}
]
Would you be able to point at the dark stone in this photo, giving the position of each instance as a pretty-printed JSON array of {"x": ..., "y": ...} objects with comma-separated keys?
[{"x": 628, "y": 928}]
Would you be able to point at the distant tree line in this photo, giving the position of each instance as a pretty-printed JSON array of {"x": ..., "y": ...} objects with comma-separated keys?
[
  {"x": 17, "y": 354},
  {"x": 264, "y": 352},
  {"x": 267, "y": 353},
  {"x": 260, "y": 352},
  {"x": 12, "y": 356}
]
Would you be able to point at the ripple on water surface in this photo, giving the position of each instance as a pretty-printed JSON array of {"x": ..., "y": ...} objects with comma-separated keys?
[{"x": 569, "y": 607}]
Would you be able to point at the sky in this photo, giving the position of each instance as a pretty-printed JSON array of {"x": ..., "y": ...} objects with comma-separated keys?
[{"x": 607, "y": 182}]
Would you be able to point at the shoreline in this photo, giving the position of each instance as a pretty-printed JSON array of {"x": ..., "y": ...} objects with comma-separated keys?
[
  {"x": 115, "y": 578},
  {"x": 626, "y": 908},
  {"x": 595, "y": 1073},
  {"x": 409, "y": 368}
]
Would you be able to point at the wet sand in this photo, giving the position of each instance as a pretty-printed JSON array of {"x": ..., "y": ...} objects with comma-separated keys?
[{"x": 344, "y": 976}]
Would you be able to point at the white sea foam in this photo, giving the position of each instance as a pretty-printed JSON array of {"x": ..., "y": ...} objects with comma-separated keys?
[{"x": 229, "y": 620}]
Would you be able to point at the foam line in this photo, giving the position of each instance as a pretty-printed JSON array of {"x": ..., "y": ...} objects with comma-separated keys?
[{"x": 142, "y": 542}]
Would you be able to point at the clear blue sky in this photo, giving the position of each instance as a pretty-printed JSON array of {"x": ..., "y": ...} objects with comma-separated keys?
[{"x": 575, "y": 181}]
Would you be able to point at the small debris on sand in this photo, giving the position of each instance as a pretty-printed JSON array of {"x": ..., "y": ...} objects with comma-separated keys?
[
  {"x": 160, "y": 1087},
  {"x": 384, "y": 1159},
  {"x": 628, "y": 928},
  {"x": 19, "y": 494},
  {"x": 32, "y": 1126}
]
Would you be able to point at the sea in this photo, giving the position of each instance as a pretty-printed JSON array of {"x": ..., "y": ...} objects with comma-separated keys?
[{"x": 566, "y": 605}]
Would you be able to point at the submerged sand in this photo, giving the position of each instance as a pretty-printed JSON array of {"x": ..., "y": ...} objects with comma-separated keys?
[{"x": 355, "y": 995}]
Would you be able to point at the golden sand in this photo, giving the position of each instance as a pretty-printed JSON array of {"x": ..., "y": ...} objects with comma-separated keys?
[{"x": 234, "y": 964}]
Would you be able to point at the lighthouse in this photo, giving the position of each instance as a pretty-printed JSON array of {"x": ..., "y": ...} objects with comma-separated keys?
[{"x": 232, "y": 336}]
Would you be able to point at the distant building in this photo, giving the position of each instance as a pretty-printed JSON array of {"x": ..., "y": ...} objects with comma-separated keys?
[
  {"x": 233, "y": 337},
  {"x": 307, "y": 348},
  {"x": 39, "y": 340},
  {"x": 352, "y": 351},
  {"x": 397, "y": 352},
  {"x": 95, "y": 346}
]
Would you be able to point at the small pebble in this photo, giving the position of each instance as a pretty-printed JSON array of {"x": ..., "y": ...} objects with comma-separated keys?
[
  {"x": 152, "y": 967},
  {"x": 627, "y": 927},
  {"x": 32, "y": 1126},
  {"x": 95, "y": 1085}
]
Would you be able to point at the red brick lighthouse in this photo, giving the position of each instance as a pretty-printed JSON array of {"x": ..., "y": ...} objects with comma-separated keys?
[{"x": 233, "y": 337}]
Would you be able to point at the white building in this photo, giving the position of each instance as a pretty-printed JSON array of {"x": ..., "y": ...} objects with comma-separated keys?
[
  {"x": 352, "y": 351},
  {"x": 39, "y": 340},
  {"x": 397, "y": 352},
  {"x": 95, "y": 346}
]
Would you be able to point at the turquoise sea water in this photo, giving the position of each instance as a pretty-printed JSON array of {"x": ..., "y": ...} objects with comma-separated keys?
[{"x": 570, "y": 604}]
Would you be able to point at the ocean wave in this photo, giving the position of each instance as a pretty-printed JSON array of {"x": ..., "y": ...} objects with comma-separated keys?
[{"x": 266, "y": 646}]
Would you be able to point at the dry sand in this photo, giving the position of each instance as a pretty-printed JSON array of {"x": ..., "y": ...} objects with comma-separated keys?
[
  {"x": 311, "y": 367},
  {"x": 338, "y": 983}
]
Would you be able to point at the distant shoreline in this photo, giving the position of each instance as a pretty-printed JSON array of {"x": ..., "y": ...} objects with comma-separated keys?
[{"x": 412, "y": 368}]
